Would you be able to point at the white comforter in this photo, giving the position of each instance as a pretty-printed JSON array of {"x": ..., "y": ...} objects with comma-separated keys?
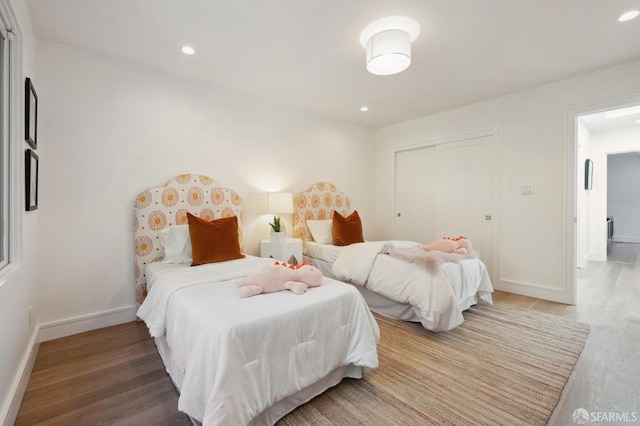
[
  {"x": 240, "y": 356},
  {"x": 438, "y": 299}
]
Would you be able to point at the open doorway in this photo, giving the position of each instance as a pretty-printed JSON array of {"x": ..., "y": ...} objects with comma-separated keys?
[
  {"x": 607, "y": 177},
  {"x": 623, "y": 207}
]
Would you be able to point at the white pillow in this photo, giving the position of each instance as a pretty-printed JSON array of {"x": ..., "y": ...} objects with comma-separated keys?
[
  {"x": 321, "y": 231},
  {"x": 177, "y": 244}
]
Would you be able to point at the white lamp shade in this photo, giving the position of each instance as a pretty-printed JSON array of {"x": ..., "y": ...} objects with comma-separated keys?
[
  {"x": 279, "y": 203},
  {"x": 388, "y": 52}
]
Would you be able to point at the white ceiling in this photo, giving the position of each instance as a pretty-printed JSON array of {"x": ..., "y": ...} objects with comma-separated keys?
[
  {"x": 307, "y": 55},
  {"x": 602, "y": 122}
]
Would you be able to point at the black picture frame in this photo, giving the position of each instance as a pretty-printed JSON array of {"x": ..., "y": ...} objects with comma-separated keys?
[
  {"x": 30, "y": 114},
  {"x": 31, "y": 164},
  {"x": 588, "y": 174}
]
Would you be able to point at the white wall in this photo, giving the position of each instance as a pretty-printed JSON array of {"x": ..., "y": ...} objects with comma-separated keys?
[
  {"x": 586, "y": 202},
  {"x": 623, "y": 195},
  {"x": 110, "y": 129},
  {"x": 533, "y": 235},
  {"x": 18, "y": 293}
]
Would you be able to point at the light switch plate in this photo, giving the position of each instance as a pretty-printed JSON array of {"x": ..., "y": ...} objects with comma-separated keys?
[{"x": 526, "y": 189}]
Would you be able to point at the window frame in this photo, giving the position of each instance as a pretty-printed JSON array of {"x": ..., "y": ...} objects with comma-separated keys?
[
  {"x": 5, "y": 152},
  {"x": 11, "y": 115}
]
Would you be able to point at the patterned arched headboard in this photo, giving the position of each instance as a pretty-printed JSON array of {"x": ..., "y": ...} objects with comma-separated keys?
[
  {"x": 162, "y": 206},
  {"x": 317, "y": 203}
]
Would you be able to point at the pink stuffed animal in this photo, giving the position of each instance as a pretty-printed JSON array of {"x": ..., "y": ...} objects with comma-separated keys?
[
  {"x": 278, "y": 277},
  {"x": 450, "y": 245}
]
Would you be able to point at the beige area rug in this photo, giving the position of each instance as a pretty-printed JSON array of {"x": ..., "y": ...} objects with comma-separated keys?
[{"x": 502, "y": 366}]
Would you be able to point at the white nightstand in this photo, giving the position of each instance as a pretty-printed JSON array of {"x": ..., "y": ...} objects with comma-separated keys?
[{"x": 289, "y": 251}]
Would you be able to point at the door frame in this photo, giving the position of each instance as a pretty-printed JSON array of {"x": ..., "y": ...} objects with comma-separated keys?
[
  {"x": 492, "y": 130},
  {"x": 571, "y": 178}
]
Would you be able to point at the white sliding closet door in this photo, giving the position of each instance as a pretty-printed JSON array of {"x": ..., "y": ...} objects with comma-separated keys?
[
  {"x": 465, "y": 194},
  {"x": 416, "y": 172},
  {"x": 448, "y": 189}
]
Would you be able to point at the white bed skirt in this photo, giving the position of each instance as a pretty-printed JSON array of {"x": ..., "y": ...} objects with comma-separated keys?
[
  {"x": 281, "y": 408},
  {"x": 380, "y": 304}
]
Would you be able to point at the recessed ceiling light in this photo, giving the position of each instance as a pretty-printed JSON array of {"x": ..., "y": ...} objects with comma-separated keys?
[
  {"x": 364, "y": 108},
  {"x": 628, "y": 16},
  {"x": 188, "y": 50}
]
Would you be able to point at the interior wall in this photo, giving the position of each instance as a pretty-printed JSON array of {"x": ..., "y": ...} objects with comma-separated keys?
[
  {"x": 623, "y": 196},
  {"x": 533, "y": 235},
  {"x": 586, "y": 201},
  {"x": 18, "y": 291},
  {"x": 111, "y": 129}
]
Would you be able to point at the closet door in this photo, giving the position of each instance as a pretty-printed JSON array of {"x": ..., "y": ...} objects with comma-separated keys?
[
  {"x": 465, "y": 193},
  {"x": 448, "y": 190},
  {"x": 416, "y": 172}
]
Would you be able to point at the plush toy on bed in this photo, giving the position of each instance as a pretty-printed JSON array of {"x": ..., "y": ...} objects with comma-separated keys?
[
  {"x": 450, "y": 245},
  {"x": 280, "y": 276}
]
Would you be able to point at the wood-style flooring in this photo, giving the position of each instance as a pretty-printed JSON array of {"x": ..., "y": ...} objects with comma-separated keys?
[
  {"x": 114, "y": 376},
  {"x": 110, "y": 376},
  {"x": 606, "y": 379}
]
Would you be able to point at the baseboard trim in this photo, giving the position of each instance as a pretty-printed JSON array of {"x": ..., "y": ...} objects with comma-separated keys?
[
  {"x": 533, "y": 290},
  {"x": 20, "y": 387},
  {"x": 80, "y": 324},
  {"x": 626, "y": 239}
]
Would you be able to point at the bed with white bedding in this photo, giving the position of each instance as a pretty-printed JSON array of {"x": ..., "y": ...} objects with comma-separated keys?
[
  {"x": 392, "y": 287},
  {"x": 240, "y": 360}
]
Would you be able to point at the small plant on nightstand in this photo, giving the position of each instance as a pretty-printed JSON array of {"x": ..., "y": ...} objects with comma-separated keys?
[
  {"x": 277, "y": 234},
  {"x": 276, "y": 223}
]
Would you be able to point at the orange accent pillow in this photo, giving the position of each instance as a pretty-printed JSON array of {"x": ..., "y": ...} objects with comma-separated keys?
[
  {"x": 214, "y": 241},
  {"x": 347, "y": 230}
]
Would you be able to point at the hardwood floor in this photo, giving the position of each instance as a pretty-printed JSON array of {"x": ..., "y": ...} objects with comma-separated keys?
[
  {"x": 114, "y": 376},
  {"x": 606, "y": 379},
  {"x": 111, "y": 376}
]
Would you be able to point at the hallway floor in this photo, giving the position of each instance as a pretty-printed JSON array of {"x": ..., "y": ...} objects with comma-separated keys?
[{"x": 624, "y": 253}]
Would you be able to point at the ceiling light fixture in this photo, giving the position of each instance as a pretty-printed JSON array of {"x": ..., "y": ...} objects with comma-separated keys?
[
  {"x": 388, "y": 43},
  {"x": 364, "y": 108},
  {"x": 188, "y": 50},
  {"x": 628, "y": 16}
]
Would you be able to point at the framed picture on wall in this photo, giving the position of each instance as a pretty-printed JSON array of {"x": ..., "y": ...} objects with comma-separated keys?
[
  {"x": 31, "y": 179},
  {"x": 30, "y": 114},
  {"x": 588, "y": 174}
]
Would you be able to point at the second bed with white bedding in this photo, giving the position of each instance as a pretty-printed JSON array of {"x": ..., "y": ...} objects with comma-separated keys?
[
  {"x": 392, "y": 287},
  {"x": 413, "y": 294}
]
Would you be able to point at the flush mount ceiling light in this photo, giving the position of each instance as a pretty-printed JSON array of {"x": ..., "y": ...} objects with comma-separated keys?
[
  {"x": 388, "y": 43},
  {"x": 628, "y": 16}
]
